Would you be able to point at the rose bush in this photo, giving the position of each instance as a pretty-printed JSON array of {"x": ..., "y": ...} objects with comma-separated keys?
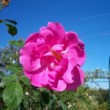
[{"x": 52, "y": 58}]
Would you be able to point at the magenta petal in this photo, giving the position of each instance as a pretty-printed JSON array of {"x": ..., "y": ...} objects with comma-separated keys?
[
  {"x": 32, "y": 38},
  {"x": 28, "y": 48},
  {"x": 28, "y": 58},
  {"x": 31, "y": 65},
  {"x": 78, "y": 77},
  {"x": 81, "y": 44},
  {"x": 57, "y": 47},
  {"x": 59, "y": 86},
  {"x": 58, "y": 30},
  {"x": 68, "y": 76},
  {"x": 24, "y": 60},
  {"x": 40, "y": 79},
  {"x": 72, "y": 38},
  {"x": 43, "y": 28},
  {"x": 81, "y": 55},
  {"x": 52, "y": 76},
  {"x": 77, "y": 54},
  {"x": 27, "y": 66},
  {"x": 48, "y": 36},
  {"x": 46, "y": 60},
  {"x": 36, "y": 80}
]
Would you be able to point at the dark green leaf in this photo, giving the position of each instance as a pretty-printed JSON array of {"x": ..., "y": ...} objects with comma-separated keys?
[
  {"x": 12, "y": 95},
  {"x": 45, "y": 97},
  {"x": 64, "y": 107},
  {"x": 52, "y": 104},
  {"x": 25, "y": 80},
  {"x": 1, "y": 74},
  {"x": 1, "y": 93},
  {"x": 35, "y": 93},
  {"x": 54, "y": 97},
  {"x": 11, "y": 29},
  {"x": 1, "y": 21},
  {"x": 11, "y": 21}
]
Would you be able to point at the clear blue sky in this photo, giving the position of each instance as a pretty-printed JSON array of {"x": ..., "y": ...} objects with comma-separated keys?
[{"x": 89, "y": 18}]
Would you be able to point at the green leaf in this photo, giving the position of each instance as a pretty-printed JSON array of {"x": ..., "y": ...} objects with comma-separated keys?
[
  {"x": 1, "y": 93},
  {"x": 19, "y": 43},
  {"x": 6, "y": 80},
  {"x": 25, "y": 81},
  {"x": 11, "y": 21},
  {"x": 35, "y": 93},
  {"x": 45, "y": 97},
  {"x": 1, "y": 74},
  {"x": 12, "y": 95},
  {"x": 11, "y": 29},
  {"x": 64, "y": 107},
  {"x": 54, "y": 97},
  {"x": 14, "y": 68},
  {"x": 1, "y": 21},
  {"x": 52, "y": 103}
]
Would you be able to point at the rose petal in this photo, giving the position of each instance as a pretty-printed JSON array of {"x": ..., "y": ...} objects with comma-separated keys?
[
  {"x": 48, "y": 36},
  {"x": 46, "y": 60},
  {"x": 43, "y": 28},
  {"x": 81, "y": 44},
  {"x": 31, "y": 65},
  {"x": 81, "y": 55},
  {"x": 40, "y": 79},
  {"x": 59, "y": 85},
  {"x": 76, "y": 54},
  {"x": 40, "y": 41},
  {"x": 28, "y": 48},
  {"x": 57, "y": 47},
  {"x": 58, "y": 30},
  {"x": 68, "y": 76},
  {"x": 72, "y": 38},
  {"x": 78, "y": 76},
  {"x": 32, "y": 38}
]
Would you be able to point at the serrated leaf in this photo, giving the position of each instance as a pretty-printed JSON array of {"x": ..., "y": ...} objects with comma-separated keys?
[
  {"x": 11, "y": 21},
  {"x": 14, "y": 68},
  {"x": 8, "y": 79},
  {"x": 25, "y": 81},
  {"x": 11, "y": 29},
  {"x": 12, "y": 95}
]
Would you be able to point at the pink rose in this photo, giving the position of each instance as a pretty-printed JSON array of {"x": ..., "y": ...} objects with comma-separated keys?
[{"x": 52, "y": 58}]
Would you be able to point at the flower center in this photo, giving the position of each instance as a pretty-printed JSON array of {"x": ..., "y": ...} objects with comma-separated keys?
[{"x": 57, "y": 55}]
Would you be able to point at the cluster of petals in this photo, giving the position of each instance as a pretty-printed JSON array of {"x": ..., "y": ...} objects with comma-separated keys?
[{"x": 52, "y": 58}]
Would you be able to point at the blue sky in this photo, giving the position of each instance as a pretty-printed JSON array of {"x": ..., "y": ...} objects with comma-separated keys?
[{"x": 89, "y": 18}]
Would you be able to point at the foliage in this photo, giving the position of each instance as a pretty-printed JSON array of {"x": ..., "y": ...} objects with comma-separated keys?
[
  {"x": 11, "y": 26},
  {"x": 17, "y": 93}
]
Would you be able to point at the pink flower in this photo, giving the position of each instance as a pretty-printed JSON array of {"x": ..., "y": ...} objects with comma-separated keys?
[{"x": 52, "y": 58}]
